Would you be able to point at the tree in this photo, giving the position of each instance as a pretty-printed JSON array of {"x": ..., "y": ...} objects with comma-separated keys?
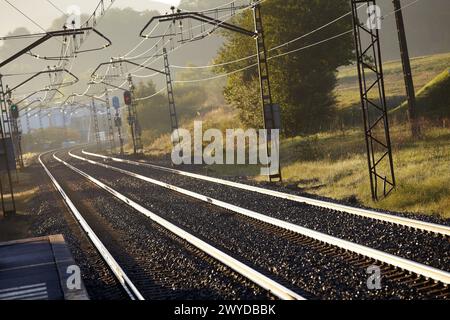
[{"x": 302, "y": 82}]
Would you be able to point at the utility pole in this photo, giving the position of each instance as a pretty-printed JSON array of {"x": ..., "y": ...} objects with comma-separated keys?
[
  {"x": 133, "y": 120},
  {"x": 131, "y": 103},
  {"x": 6, "y": 186},
  {"x": 407, "y": 73},
  {"x": 95, "y": 123},
  {"x": 27, "y": 121},
  {"x": 269, "y": 113},
  {"x": 41, "y": 126},
  {"x": 118, "y": 123},
  {"x": 112, "y": 141},
  {"x": 64, "y": 123},
  {"x": 170, "y": 95}
]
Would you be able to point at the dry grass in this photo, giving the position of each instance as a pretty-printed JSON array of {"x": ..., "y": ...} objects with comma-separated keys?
[
  {"x": 424, "y": 69},
  {"x": 422, "y": 170}
]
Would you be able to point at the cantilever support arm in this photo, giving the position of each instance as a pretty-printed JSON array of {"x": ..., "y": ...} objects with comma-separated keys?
[
  {"x": 43, "y": 72},
  {"x": 108, "y": 84},
  {"x": 124, "y": 61},
  {"x": 199, "y": 17},
  {"x": 94, "y": 97},
  {"x": 52, "y": 34},
  {"x": 31, "y": 94}
]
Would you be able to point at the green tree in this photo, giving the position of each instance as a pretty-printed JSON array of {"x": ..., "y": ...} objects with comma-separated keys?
[{"x": 302, "y": 82}]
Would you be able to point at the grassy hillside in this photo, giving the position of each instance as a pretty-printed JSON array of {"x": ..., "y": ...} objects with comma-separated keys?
[
  {"x": 335, "y": 166},
  {"x": 424, "y": 70},
  {"x": 433, "y": 100}
]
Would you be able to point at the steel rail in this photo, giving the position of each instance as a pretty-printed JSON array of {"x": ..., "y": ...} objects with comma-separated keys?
[
  {"x": 405, "y": 264},
  {"x": 407, "y": 222},
  {"x": 121, "y": 276},
  {"x": 258, "y": 278}
]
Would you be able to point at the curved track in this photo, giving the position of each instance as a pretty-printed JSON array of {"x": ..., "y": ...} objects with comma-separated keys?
[
  {"x": 257, "y": 238},
  {"x": 406, "y": 222},
  {"x": 232, "y": 270}
]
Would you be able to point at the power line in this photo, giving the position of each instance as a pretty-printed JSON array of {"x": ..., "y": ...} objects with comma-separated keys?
[
  {"x": 311, "y": 45},
  {"x": 209, "y": 31},
  {"x": 57, "y": 8},
  {"x": 92, "y": 16},
  {"x": 206, "y": 33},
  {"x": 26, "y": 16},
  {"x": 273, "y": 57},
  {"x": 151, "y": 96},
  {"x": 289, "y": 42},
  {"x": 274, "y": 48},
  {"x": 252, "y": 56}
]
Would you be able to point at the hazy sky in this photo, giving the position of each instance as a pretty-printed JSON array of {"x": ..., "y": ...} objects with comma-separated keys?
[{"x": 43, "y": 12}]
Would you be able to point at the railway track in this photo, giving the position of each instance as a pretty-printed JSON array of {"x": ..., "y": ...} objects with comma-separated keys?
[
  {"x": 424, "y": 280},
  {"x": 389, "y": 218},
  {"x": 232, "y": 268},
  {"x": 403, "y": 240},
  {"x": 120, "y": 275}
]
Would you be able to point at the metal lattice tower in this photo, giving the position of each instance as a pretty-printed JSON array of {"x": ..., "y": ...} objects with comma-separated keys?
[
  {"x": 109, "y": 119},
  {"x": 27, "y": 122},
  {"x": 17, "y": 141},
  {"x": 265, "y": 89},
  {"x": 41, "y": 125},
  {"x": 118, "y": 123},
  {"x": 6, "y": 186},
  {"x": 64, "y": 122},
  {"x": 16, "y": 136},
  {"x": 134, "y": 121},
  {"x": 95, "y": 123},
  {"x": 373, "y": 102},
  {"x": 170, "y": 95}
]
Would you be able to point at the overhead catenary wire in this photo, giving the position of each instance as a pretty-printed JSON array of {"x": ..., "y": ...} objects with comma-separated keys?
[
  {"x": 30, "y": 19},
  {"x": 206, "y": 33},
  {"x": 56, "y": 7},
  {"x": 270, "y": 58},
  {"x": 277, "y": 47},
  {"x": 92, "y": 16},
  {"x": 249, "y": 66},
  {"x": 254, "y": 65},
  {"x": 152, "y": 95},
  {"x": 289, "y": 42},
  {"x": 252, "y": 56}
]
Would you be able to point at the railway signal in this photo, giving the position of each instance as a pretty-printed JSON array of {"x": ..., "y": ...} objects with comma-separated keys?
[
  {"x": 14, "y": 111},
  {"x": 133, "y": 119},
  {"x": 6, "y": 185}
]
